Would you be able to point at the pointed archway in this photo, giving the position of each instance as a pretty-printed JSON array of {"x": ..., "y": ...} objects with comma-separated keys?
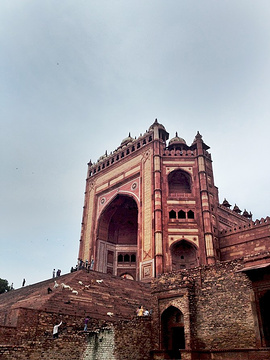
[
  {"x": 117, "y": 235},
  {"x": 184, "y": 255},
  {"x": 172, "y": 331},
  {"x": 265, "y": 316}
]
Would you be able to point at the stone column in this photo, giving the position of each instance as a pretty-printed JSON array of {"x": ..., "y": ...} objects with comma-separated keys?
[{"x": 205, "y": 202}]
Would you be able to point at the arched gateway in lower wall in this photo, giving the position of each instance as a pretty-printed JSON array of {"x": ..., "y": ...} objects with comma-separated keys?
[{"x": 172, "y": 331}]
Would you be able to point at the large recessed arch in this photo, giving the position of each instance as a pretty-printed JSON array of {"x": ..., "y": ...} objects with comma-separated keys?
[
  {"x": 117, "y": 235},
  {"x": 172, "y": 331},
  {"x": 184, "y": 255},
  {"x": 179, "y": 181}
]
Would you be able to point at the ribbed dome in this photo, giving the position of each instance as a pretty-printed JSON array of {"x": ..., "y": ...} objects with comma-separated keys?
[
  {"x": 127, "y": 140},
  {"x": 156, "y": 123},
  {"x": 177, "y": 140},
  {"x": 102, "y": 157}
]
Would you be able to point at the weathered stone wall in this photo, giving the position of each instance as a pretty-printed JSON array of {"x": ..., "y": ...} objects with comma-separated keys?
[
  {"x": 7, "y": 333},
  {"x": 133, "y": 339},
  {"x": 220, "y": 309},
  {"x": 126, "y": 340},
  {"x": 100, "y": 345},
  {"x": 35, "y": 341},
  {"x": 215, "y": 302}
]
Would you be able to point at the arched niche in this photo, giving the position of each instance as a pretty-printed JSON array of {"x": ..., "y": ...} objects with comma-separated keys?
[
  {"x": 172, "y": 331},
  {"x": 118, "y": 223},
  {"x": 117, "y": 236},
  {"x": 184, "y": 255},
  {"x": 179, "y": 181}
]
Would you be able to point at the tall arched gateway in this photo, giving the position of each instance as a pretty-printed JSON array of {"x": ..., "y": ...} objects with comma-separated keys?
[
  {"x": 172, "y": 188},
  {"x": 117, "y": 235}
]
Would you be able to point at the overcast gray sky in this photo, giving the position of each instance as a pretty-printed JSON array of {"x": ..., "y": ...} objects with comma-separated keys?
[{"x": 78, "y": 76}]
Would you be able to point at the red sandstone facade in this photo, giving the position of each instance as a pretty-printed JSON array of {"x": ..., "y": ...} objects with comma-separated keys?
[{"x": 152, "y": 207}]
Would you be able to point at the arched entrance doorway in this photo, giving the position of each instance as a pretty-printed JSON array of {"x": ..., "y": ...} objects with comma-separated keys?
[
  {"x": 184, "y": 255},
  {"x": 172, "y": 331},
  {"x": 117, "y": 237},
  {"x": 265, "y": 316}
]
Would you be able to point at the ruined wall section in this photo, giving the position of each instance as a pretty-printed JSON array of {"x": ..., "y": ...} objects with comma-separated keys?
[
  {"x": 36, "y": 341},
  {"x": 222, "y": 309},
  {"x": 133, "y": 339},
  {"x": 124, "y": 340},
  {"x": 219, "y": 313}
]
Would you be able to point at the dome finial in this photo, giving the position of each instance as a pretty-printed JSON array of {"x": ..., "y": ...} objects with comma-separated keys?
[
  {"x": 127, "y": 140},
  {"x": 177, "y": 141}
]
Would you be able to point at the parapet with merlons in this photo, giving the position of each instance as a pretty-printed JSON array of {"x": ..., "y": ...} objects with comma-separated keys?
[{"x": 253, "y": 224}]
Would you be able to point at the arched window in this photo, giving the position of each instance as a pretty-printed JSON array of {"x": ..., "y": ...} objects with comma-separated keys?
[
  {"x": 133, "y": 258},
  {"x": 126, "y": 258},
  {"x": 190, "y": 214},
  {"x": 120, "y": 258},
  {"x": 181, "y": 214},
  {"x": 172, "y": 214},
  {"x": 179, "y": 182}
]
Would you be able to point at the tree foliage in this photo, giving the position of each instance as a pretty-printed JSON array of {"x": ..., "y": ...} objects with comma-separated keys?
[{"x": 4, "y": 287}]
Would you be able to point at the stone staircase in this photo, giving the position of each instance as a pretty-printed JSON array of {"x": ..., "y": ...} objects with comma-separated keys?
[{"x": 110, "y": 294}]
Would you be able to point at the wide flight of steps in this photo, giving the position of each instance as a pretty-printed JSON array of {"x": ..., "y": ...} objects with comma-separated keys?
[{"x": 106, "y": 294}]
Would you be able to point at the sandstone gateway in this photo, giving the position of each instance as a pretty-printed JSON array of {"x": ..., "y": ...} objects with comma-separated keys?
[{"x": 154, "y": 234}]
